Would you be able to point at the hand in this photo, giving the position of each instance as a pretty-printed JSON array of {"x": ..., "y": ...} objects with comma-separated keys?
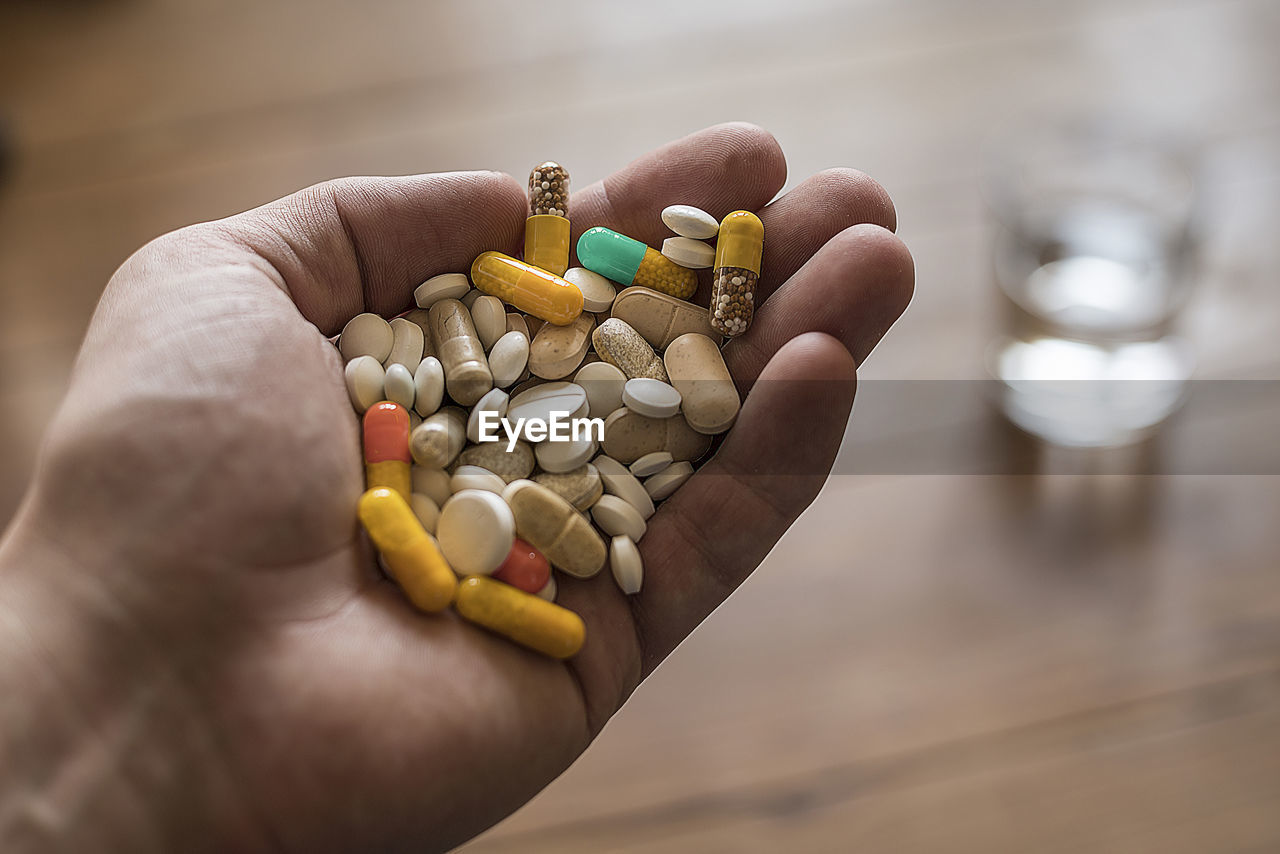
[{"x": 196, "y": 647}]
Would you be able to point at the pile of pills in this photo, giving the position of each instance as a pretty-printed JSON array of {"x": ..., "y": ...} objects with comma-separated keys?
[{"x": 523, "y": 421}]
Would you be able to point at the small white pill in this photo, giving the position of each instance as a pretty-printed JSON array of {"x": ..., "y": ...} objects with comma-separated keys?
[
  {"x": 650, "y": 464},
  {"x": 688, "y": 252},
  {"x": 619, "y": 481},
  {"x": 427, "y": 511},
  {"x": 490, "y": 318},
  {"x": 651, "y": 398},
  {"x": 617, "y": 518},
  {"x": 667, "y": 481},
  {"x": 444, "y": 286},
  {"x": 365, "y": 378},
  {"x": 560, "y": 457},
  {"x": 603, "y": 384},
  {"x": 474, "y": 477},
  {"x": 398, "y": 385},
  {"x": 428, "y": 385},
  {"x": 597, "y": 291},
  {"x": 688, "y": 221},
  {"x": 475, "y": 531},
  {"x": 495, "y": 400},
  {"x": 548, "y": 590},
  {"x": 508, "y": 358},
  {"x": 366, "y": 335},
  {"x": 628, "y": 568},
  {"x": 431, "y": 482}
]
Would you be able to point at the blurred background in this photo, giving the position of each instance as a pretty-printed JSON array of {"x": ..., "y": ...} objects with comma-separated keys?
[{"x": 973, "y": 641}]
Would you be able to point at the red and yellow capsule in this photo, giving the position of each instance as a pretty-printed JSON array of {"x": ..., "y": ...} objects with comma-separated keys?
[{"x": 386, "y": 448}]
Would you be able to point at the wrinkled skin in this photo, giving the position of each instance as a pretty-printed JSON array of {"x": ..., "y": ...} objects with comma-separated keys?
[{"x": 197, "y": 651}]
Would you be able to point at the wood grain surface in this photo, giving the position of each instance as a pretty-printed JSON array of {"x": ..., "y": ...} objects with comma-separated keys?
[{"x": 969, "y": 643}]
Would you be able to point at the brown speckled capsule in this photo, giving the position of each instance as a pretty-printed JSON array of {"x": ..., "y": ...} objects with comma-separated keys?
[{"x": 546, "y": 231}]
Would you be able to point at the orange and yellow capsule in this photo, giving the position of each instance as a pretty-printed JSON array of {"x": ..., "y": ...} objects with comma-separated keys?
[{"x": 386, "y": 448}]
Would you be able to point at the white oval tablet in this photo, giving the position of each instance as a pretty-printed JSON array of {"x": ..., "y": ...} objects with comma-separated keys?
[
  {"x": 688, "y": 252},
  {"x": 364, "y": 377},
  {"x": 628, "y": 568},
  {"x": 428, "y": 386},
  {"x": 508, "y": 358},
  {"x": 651, "y": 398},
  {"x": 603, "y": 384},
  {"x": 469, "y": 298},
  {"x": 597, "y": 291},
  {"x": 406, "y": 345},
  {"x": 560, "y": 457},
  {"x": 495, "y": 401},
  {"x": 542, "y": 400},
  {"x": 619, "y": 481},
  {"x": 617, "y": 518},
  {"x": 476, "y": 531},
  {"x": 366, "y": 334},
  {"x": 490, "y": 318},
  {"x": 688, "y": 221},
  {"x": 431, "y": 482},
  {"x": 474, "y": 477},
  {"x": 667, "y": 481},
  {"x": 650, "y": 464},
  {"x": 444, "y": 286},
  {"x": 398, "y": 385},
  {"x": 427, "y": 511}
]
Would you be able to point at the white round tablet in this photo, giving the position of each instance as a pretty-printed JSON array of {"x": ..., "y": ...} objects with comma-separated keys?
[
  {"x": 475, "y": 531},
  {"x": 366, "y": 334},
  {"x": 651, "y": 398},
  {"x": 428, "y": 384},
  {"x": 508, "y": 358},
  {"x": 364, "y": 377},
  {"x": 560, "y": 457},
  {"x": 688, "y": 252},
  {"x": 617, "y": 518},
  {"x": 444, "y": 286},
  {"x": 688, "y": 221},
  {"x": 398, "y": 385},
  {"x": 624, "y": 561},
  {"x": 650, "y": 464},
  {"x": 474, "y": 477},
  {"x": 603, "y": 384},
  {"x": 597, "y": 291},
  {"x": 667, "y": 481},
  {"x": 494, "y": 401}
]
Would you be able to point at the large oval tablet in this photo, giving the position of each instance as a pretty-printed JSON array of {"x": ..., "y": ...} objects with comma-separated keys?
[
  {"x": 617, "y": 518},
  {"x": 560, "y": 457},
  {"x": 407, "y": 344},
  {"x": 580, "y": 487},
  {"x": 618, "y": 480},
  {"x": 490, "y": 318},
  {"x": 688, "y": 221},
  {"x": 398, "y": 385},
  {"x": 428, "y": 386},
  {"x": 474, "y": 477},
  {"x": 688, "y": 252},
  {"x": 628, "y": 436},
  {"x": 508, "y": 358},
  {"x": 366, "y": 334},
  {"x": 542, "y": 400},
  {"x": 650, "y": 397},
  {"x": 697, "y": 370},
  {"x": 661, "y": 318},
  {"x": 475, "y": 531},
  {"x": 624, "y": 560},
  {"x": 667, "y": 481},
  {"x": 557, "y": 351},
  {"x": 553, "y": 527}
]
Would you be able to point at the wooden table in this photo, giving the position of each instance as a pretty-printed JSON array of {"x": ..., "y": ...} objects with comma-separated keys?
[{"x": 968, "y": 643}]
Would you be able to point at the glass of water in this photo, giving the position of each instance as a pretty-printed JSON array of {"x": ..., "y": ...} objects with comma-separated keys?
[{"x": 1094, "y": 257}]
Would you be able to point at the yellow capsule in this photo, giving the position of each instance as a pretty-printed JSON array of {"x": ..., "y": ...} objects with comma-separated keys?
[
  {"x": 546, "y": 231},
  {"x": 737, "y": 273},
  {"x": 523, "y": 617},
  {"x": 408, "y": 550},
  {"x": 530, "y": 289}
]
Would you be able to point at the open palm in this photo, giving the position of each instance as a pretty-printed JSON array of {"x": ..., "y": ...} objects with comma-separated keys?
[{"x": 199, "y": 486}]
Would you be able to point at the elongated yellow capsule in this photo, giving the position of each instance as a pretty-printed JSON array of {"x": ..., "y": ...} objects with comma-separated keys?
[
  {"x": 528, "y": 288},
  {"x": 523, "y": 617},
  {"x": 408, "y": 550},
  {"x": 546, "y": 231},
  {"x": 737, "y": 272}
]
